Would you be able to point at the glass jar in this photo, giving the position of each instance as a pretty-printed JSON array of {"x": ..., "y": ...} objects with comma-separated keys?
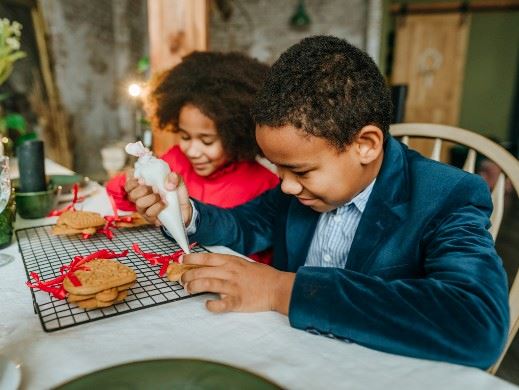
[{"x": 7, "y": 219}]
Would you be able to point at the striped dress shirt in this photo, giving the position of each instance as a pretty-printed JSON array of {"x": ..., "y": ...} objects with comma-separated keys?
[{"x": 335, "y": 231}]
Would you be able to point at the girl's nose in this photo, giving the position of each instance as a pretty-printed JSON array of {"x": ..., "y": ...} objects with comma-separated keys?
[{"x": 193, "y": 150}]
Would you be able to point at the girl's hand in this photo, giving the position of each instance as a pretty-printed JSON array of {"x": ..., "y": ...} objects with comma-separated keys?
[{"x": 242, "y": 285}]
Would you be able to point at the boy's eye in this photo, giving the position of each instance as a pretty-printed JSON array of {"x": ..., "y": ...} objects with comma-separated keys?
[{"x": 301, "y": 173}]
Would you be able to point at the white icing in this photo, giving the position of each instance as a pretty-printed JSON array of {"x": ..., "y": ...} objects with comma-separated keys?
[{"x": 153, "y": 172}]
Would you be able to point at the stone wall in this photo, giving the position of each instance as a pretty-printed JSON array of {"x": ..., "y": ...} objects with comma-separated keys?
[
  {"x": 261, "y": 27},
  {"x": 95, "y": 46}
]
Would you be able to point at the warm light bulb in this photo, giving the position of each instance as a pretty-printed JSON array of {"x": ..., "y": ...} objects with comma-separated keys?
[{"x": 135, "y": 90}]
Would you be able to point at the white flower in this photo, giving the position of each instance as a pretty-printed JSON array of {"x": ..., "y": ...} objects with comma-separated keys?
[
  {"x": 13, "y": 43},
  {"x": 9, "y": 47},
  {"x": 16, "y": 29}
]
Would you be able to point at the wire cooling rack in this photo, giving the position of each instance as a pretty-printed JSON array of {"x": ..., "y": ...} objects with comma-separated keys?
[{"x": 44, "y": 253}]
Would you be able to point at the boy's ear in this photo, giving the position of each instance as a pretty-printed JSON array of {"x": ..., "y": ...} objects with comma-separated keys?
[{"x": 369, "y": 142}]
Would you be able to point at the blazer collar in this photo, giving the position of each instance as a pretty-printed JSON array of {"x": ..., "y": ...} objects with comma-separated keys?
[
  {"x": 386, "y": 207},
  {"x": 300, "y": 228}
]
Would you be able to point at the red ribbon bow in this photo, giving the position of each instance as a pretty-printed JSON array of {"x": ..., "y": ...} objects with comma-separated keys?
[
  {"x": 55, "y": 286},
  {"x": 164, "y": 260},
  {"x": 111, "y": 220},
  {"x": 71, "y": 206}
]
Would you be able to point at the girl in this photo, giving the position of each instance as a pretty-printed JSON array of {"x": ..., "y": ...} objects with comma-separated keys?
[{"x": 206, "y": 99}]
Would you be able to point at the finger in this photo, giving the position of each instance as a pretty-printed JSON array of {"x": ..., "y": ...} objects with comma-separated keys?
[
  {"x": 173, "y": 181},
  {"x": 147, "y": 201},
  {"x": 139, "y": 192},
  {"x": 217, "y": 286},
  {"x": 205, "y": 273},
  {"x": 213, "y": 259},
  {"x": 130, "y": 184},
  {"x": 222, "y": 305},
  {"x": 154, "y": 211}
]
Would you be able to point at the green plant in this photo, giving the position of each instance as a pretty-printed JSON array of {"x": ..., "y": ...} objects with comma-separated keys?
[{"x": 10, "y": 33}]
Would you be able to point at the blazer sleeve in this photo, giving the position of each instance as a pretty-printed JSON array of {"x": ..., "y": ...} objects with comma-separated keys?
[
  {"x": 458, "y": 312},
  {"x": 246, "y": 229}
]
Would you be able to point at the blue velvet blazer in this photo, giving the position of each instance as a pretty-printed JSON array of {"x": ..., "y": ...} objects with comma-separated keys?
[{"x": 422, "y": 277}]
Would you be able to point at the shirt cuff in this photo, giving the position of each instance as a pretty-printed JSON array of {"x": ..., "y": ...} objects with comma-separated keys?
[{"x": 191, "y": 228}]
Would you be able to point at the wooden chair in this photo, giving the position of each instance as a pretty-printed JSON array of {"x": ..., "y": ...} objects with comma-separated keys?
[{"x": 509, "y": 166}]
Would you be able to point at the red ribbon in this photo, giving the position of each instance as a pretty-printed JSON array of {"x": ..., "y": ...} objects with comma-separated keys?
[
  {"x": 55, "y": 286},
  {"x": 111, "y": 221},
  {"x": 71, "y": 206},
  {"x": 163, "y": 260}
]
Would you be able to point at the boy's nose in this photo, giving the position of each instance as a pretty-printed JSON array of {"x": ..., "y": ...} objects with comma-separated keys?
[{"x": 290, "y": 186}]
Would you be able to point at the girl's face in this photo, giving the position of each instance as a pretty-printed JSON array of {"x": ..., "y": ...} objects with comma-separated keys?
[{"x": 200, "y": 142}]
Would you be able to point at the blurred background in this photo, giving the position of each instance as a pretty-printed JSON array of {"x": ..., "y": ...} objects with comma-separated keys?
[{"x": 452, "y": 62}]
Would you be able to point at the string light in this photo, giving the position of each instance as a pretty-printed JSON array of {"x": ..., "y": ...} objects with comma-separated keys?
[{"x": 135, "y": 90}]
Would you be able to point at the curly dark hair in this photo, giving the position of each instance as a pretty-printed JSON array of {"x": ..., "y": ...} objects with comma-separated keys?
[
  {"x": 223, "y": 87},
  {"x": 326, "y": 87}
]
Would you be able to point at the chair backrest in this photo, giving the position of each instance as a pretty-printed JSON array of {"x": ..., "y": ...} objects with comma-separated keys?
[{"x": 509, "y": 167}]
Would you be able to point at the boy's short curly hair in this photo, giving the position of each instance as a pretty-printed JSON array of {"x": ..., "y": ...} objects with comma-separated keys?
[
  {"x": 222, "y": 86},
  {"x": 326, "y": 87}
]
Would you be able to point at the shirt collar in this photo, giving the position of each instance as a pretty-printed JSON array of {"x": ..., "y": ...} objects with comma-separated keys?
[{"x": 359, "y": 200}]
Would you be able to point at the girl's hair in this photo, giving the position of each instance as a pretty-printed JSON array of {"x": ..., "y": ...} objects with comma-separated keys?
[{"x": 223, "y": 87}]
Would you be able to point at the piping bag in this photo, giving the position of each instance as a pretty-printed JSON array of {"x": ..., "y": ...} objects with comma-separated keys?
[{"x": 153, "y": 172}]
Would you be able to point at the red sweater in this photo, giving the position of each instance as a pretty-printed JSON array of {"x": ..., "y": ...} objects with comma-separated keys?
[{"x": 230, "y": 186}]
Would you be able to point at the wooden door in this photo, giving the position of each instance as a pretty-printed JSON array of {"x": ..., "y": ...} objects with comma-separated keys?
[
  {"x": 430, "y": 58},
  {"x": 176, "y": 28}
]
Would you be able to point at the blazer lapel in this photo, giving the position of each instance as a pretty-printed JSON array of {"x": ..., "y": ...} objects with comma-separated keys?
[
  {"x": 386, "y": 207},
  {"x": 376, "y": 222},
  {"x": 300, "y": 228}
]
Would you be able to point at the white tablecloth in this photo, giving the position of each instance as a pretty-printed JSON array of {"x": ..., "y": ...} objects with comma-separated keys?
[{"x": 263, "y": 343}]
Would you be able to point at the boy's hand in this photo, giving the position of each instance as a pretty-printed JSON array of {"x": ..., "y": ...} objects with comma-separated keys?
[
  {"x": 149, "y": 203},
  {"x": 242, "y": 285},
  {"x": 131, "y": 182}
]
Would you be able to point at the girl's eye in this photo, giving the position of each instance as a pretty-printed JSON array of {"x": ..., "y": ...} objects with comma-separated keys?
[
  {"x": 207, "y": 143},
  {"x": 184, "y": 138}
]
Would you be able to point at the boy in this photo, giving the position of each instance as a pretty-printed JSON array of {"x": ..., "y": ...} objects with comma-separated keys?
[{"x": 372, "y": 242}]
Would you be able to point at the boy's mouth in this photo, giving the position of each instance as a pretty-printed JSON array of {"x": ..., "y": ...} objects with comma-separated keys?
[{"x": 306, "y": 201}]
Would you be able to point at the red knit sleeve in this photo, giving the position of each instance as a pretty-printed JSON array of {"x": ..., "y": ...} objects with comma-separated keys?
[{"x": 115, "y": 188}]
